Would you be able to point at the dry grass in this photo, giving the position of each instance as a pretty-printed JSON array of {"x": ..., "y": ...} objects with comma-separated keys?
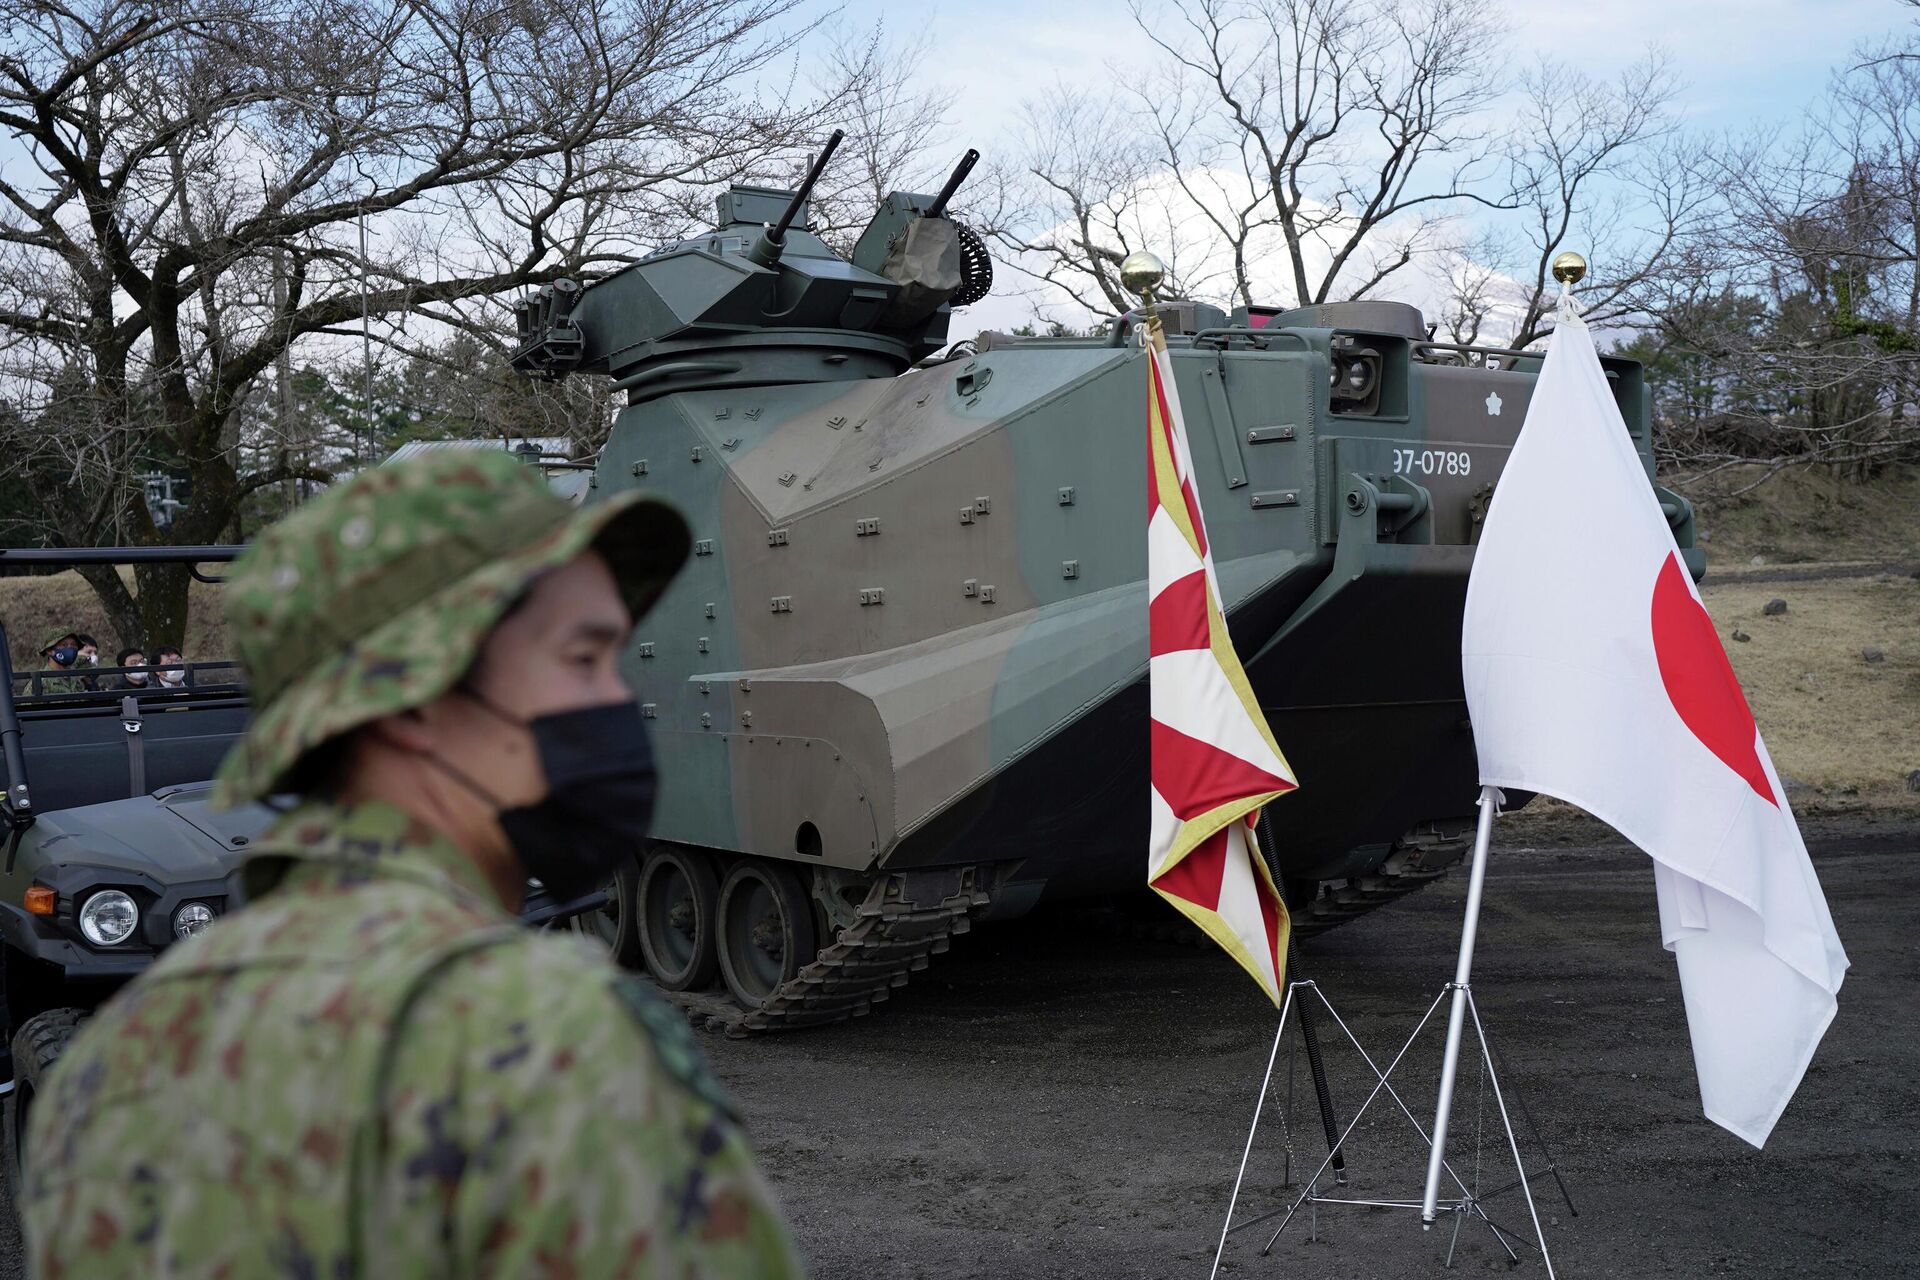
[
  {"x": 1831, "y": 719},
  {"x": 33, "y": 607},
  {"x": 1849, "y": 728},
  {"x": 1808, "y": 517}
]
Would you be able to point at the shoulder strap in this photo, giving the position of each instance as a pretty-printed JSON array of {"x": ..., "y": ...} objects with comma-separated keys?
[
  {"x": 368, "y": 1141},
  {"x": 673, "y": 1043}
]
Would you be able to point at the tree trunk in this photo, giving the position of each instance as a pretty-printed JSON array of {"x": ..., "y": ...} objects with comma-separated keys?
[
  {"x": 122, "y": 609},
  {"x": 164, "y": 605}
]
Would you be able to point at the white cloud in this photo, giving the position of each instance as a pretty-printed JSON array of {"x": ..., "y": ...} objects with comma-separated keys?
[
  {"x": 1741, "y": 62},
  {"x": 1166, "y": 221}
]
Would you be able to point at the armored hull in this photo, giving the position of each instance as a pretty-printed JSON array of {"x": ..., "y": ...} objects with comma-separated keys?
[{"x": 908, "y": 655}]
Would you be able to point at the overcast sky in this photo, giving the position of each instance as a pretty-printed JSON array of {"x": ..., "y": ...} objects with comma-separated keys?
[
  {"x": 1741, "y": 59},
  {"x": 1742, "y": 63}
]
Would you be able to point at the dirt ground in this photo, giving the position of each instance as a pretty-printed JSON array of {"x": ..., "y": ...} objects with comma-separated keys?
[
  {"x": 1053, "y": 1100},
  {"x": 1834, "y": 719}
]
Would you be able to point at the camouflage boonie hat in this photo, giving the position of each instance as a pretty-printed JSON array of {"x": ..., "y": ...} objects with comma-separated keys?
[
  {"x": 53, "y": 641},
  {"x": 377, "y": 596}
]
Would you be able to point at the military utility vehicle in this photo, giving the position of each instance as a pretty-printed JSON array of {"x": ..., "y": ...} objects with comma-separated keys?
[
  {"x": 109, "y": 850},
  {"x": 900, "y": 685}
]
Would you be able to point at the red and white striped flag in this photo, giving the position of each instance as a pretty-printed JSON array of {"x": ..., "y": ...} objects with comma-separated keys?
[{"x": 1215, "y": 763}]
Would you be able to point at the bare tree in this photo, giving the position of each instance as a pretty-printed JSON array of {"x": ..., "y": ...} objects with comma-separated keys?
[
  {"x": 1474, "y": 295},
  {"x": 1352, "y": 120},
  {"x": 1336, "y": 137},
  {"x": 464, "y": 387},
  {"x": 1877, "y": 126},
  {"x": 897, "y": 127},
  {"x": 1816, "y": 237},
  {"x": 1587, "y": 166},
  {"x": 1082, "y": 195},
  {"x": 201, "y": 186}
]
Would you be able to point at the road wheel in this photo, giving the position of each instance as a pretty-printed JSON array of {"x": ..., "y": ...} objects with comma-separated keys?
[
  {"x": 615, "y": 926},
  {"x": 766, "y": 929},
  {"x": 37, "y": 1045},
  {"x": 675, "y": 902}
]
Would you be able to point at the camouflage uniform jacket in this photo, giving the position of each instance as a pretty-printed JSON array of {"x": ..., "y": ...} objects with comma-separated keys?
[
  {"x": 57, "y": 680},
  {"x": 374, "y": 1071}
]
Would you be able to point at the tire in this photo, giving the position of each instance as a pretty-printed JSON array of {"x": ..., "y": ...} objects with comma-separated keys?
[
  {"x": 675, "y": 907},
  {"x": 37, "y": 1045},
  {"x": 766, "y": 930},
  {"x": 615, "y": 926}
]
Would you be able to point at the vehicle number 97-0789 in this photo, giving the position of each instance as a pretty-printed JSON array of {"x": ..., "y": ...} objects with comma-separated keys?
[{"x": 1432, "y": 462}]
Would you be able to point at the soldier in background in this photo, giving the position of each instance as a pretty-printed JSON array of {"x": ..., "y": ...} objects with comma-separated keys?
[
  {"x": 61, "y": 654},
  {"x": 374, "y": 1069}
]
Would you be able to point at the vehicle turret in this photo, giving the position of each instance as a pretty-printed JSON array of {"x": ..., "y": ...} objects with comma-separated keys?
[
  {"x": 760, "y": 299},
  {"x": 900, "y": 684}
]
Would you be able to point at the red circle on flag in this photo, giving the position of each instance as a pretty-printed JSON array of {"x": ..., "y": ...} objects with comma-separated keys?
[{"x": 1700, "y": 681}]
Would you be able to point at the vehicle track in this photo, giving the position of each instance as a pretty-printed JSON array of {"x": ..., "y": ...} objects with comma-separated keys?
[{"x": 895, "y": 932}]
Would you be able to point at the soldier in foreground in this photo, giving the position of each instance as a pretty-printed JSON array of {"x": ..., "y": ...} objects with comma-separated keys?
[{"x": 374, "y": 1070}]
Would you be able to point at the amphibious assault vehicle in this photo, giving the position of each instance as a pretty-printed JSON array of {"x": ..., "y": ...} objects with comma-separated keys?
[{"x": 900, "y": 685}]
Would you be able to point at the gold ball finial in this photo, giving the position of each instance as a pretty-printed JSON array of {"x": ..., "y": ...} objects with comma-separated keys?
[
  {"x": 1569, "y": 267},
  {"x": 1141, "y": 273}
]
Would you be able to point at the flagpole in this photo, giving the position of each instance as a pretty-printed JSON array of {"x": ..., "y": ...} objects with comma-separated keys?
[
  {"x": 1490, "y": 799},
  {"x": 1568, "y": 269}
]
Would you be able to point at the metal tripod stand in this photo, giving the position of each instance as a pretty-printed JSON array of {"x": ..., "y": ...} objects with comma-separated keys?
[{"x": 1470, "y": 1200}]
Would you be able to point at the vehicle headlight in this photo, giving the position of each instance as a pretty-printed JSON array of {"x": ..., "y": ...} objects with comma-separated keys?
[
  {"x": 108, "y": 918},
  {"x": 191, "y": 918}
]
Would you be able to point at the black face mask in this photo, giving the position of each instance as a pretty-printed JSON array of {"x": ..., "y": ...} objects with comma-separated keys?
[{"x": 599, "y": 802}]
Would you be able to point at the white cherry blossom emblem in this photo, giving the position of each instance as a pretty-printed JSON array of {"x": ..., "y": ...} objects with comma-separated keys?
[{"x": 1493, "y": 404}]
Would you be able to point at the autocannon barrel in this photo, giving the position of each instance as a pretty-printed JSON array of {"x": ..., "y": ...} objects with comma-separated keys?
[{"x": 766, "y": 250}]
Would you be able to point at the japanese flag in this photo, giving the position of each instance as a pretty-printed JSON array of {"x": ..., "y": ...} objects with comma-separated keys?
[{"x": 1594, "y": 674}]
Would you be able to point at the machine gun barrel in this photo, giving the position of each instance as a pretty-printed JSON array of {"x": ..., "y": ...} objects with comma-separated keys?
[
  {"x": 959, "y": 175},
  {"x": 766, "y": 250}
]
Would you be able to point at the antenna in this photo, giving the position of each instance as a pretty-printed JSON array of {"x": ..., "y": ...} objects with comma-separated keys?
[{"x": 366, "y": 346}]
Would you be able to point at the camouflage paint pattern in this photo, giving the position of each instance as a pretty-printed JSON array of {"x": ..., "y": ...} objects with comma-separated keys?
[
  {"x": 913, "y": 629},
  {"x": 872, "y": 722},
  {"x": 376, "y": 596},
  {"x": 374, "y": 1071}
]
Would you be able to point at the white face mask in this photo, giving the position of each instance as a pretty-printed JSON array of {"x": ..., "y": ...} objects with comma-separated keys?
[
  {"x": 173, "y": 677},
  {"x": 136, "y": 677},
  {"x": 91, "y": 659}
]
